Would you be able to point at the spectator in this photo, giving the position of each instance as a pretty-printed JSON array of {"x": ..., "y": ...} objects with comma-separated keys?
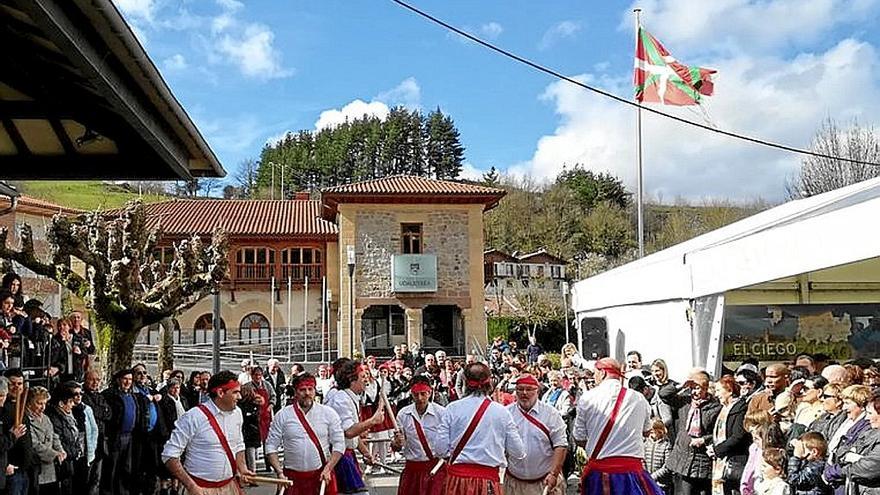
[
  {"x": 83, "y": 345},
  {"x": 833, "y": 414},
  {"x": 657, "y": 449},
  {"x": 274, "y": 376},
  {"x": 731, "y": 441},
  {"x": 697, "y": 412},
  {"x": 836, "y": 374},
  {"x": 60, "y": 413},
  {"x": 861, "y": 466},
  {"x": 806, "y": 464},
  {"x": 533, "y": 351},
  {"x": 749, "y": 383},
  {"x": 775, "y": 382},
  {"x": 126, "y": 416},
  {"x": 556, "y": 395},
  {"x": 47, "y": 444},
  {"x": 847, "y": 435},
  {"x": 21, "y": 454},
  {"x": 101, "y": 412},
  {"x": 634, "y": 365},
  {"x": 773, "y": 470}
]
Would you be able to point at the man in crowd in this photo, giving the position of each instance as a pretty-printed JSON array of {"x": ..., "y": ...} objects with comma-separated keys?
[
  {"x": 275, "y": 378},
  {"x": 775, "y": 382},
  {"x": 419, "y": 426},
  {"x": 21, "y": 454},
  {"x": 147, "y": 439},
  {"x": 245, "y": 375},
  {"x": 351, "y": 380},
  {"x": 479, "y": 436},
  {"x": 544, "y": 435},
  {"x": 259, "y": 387},
  {"x": 101, "y": 410},
  {"x": 634, "y": 365},
  {"x": 311, "y": 437},
  {"x": 210, "y": 436},
  {"x": 126, "y": 418},
  {"x": 611, "y": 425}
]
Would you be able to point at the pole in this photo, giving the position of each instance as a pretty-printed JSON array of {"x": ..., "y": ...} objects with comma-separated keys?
[
  {"x": 565, "y": 308},
  {"x": 272, "y": 318},
  {"x": 350, "y": 252},
  {"x": 323, "y": 314},
  {"x": 282, "y": 181},
  {"x": 215, "y": 341},
  {"x": 273, "y": 179},
  {"x": 640, "y": 189},
  {"x": 289, "y": 322},
  {"x": 306, "y": 319}
]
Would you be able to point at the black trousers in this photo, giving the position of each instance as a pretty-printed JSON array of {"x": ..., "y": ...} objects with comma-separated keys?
[
  {"x": 117, "y": 477},
  {"x": 692, "y": 486}
]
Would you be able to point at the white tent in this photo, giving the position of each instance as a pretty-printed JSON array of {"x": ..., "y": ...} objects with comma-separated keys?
[{"x": 796, "y": 237}]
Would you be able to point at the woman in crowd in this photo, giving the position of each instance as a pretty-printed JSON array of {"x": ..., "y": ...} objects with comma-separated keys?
[
  {"x": 731, "y": 447},
  {"x": 860, "y": 467},
  {"x": 832, "y": 411},
  {"x": 570, "y": 352},
  {"x": 660, "y": 409},
  {"x": 12, "y": 283},
  {"x": 765, "y": 434},
  {"x": 848, "y": 434},
  {"x": 60, "y": 413},
  {"x": 46, "y": 443}
]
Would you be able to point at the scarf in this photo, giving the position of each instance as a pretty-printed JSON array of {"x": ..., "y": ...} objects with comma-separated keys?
[{"x": 695, "y": 417}]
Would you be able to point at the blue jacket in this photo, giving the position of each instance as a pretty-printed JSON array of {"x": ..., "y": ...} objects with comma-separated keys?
[{"x": 805, "y": 477}]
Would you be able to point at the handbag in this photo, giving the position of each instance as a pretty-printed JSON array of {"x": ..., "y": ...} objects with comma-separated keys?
[
  {"x": 733, "y": 469},
  {"x": 63, "y": 469}
]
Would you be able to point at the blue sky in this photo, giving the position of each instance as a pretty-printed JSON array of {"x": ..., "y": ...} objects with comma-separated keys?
[{"x": 249, "y": 71}]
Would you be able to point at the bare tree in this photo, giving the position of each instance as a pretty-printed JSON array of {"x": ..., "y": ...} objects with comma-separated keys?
[
  {"x": 246, "y": 178},
  {"x": 122, "y": 283},
  {"x": 818, "y": 175}
]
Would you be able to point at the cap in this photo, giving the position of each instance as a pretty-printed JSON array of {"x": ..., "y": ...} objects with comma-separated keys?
[{"x": 748, "y": 366}]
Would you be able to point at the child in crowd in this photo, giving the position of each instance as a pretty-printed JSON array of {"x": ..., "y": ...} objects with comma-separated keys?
[
  {"x": 806, "y": 465},
  {"x": 773, "y": 471},
  {"x": 657, "y": 449}
]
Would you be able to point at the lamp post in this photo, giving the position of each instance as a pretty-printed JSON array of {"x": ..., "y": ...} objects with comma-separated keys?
[
  {"x": 351, "y": 260},
  {"x": 272, "y": 166}
]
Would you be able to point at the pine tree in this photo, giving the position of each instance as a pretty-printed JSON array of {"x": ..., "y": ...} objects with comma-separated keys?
[
  {"x": 445, "y": 153},
  {"x": 491, "y": 177}
]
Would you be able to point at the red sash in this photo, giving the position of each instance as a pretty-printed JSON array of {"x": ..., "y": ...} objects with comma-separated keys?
[
  {"x": 535, "y": 421},
  {"x": 310, "y": 432},
  {"x": 610, "y": 424},
  {"x": 220, "y": 436},
  {"x": 470, "y": 430},
  {"x": 423, "y": 439}
]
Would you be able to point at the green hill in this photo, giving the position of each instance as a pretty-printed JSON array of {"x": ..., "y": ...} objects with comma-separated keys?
[{"x": 85, "y": 195}]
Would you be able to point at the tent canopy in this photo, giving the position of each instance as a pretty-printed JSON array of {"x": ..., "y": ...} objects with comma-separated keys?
[
  {"x": 823, "y": 231},
  {"x": 80, "y": 98}
]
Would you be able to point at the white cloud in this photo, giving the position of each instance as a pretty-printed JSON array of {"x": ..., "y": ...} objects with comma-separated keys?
[
  {"x": 732, "y": 24},
  {"x": 491, "y": 30},
  {"x": 251, "y": 50},
  {"x": 559, "y": 32},
  {"x": 175, "y": 62},
  {"x": 230, "y": 5},
  {"x": 137, "y": 9},
  {"x": 408, "y": 93},
  {"x": 351, "y": 111},
  {"x": 781, "y": 99},
  {"x": 470, "y": 172}
]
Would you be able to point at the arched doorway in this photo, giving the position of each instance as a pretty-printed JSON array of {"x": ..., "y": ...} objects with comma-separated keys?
[
  {"x": 443, "y": 328},
  {"x": 254, "y": 329},
  {"x": 203, "y": 329},
  {"x": 383, "y": 327}
]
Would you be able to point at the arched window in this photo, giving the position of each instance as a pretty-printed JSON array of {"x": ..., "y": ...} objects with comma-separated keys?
[
  {"x": 254, "y": 329},
  {"x": 204, "y": 329}
]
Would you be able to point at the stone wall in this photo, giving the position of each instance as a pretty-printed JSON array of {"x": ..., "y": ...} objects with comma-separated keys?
[{"x": 444, "y": 233}]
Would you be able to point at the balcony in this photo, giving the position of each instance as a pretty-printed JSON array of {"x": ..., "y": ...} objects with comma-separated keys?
[
  {"x": 300, "y": 272},
  {"x": 254, "y": 273},
  {"x": 262, "y": 273}
]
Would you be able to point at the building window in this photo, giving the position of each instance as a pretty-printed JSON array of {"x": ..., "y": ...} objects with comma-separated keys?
[
  {"x": 203, "y": 331},
  {"x": 164, "y": 255},
  {"x": 379, "y": 324},
  {"x": 254, "y": 329},
  {"x": 443, "y": 328},
  {"x": 411, "y": 235},
  {"x": 254, "y": 263},
  {"x": 301, "y": 262}
]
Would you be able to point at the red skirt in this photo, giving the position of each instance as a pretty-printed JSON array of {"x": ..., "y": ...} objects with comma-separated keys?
[
  {"x": 472, "y": 479},
  {"x": 417, "y": 480},
  {"x": 308, "y": 483}
]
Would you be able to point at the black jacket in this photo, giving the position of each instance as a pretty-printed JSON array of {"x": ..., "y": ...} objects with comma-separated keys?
[
  {"x": 21, "y": 453},
  {"x": 79, "y": 360},
  {"x": 5, "y": 442},
  {"x": 168, "y": 415},
  {"x": 686, "y": 460},
  {"x": 250, "y": 427},
  {"x": 279, "y": 388},
  {"x": 102, "y": 413},
  {"x": 112, "y": 428},
  {"x": 737, "y": 442}
]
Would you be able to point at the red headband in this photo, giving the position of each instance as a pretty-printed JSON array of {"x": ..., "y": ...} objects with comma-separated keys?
[
  {"x": 609, "y": 369},
  {"x": 420, "y": 387},
  {"x": 306, "y": 382},
  {"x": 528, "y": 380},
  {"x": 231, "y": 384},
  {"x": 477, "y": 383}
]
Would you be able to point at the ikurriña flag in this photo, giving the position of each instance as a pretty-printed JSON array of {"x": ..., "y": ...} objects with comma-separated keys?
[{"x": 660, "y": 78}]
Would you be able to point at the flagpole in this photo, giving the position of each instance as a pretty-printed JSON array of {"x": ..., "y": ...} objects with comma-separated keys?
[{"x": 640, "y": 187}]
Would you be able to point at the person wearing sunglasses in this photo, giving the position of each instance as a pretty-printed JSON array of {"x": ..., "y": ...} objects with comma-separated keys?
[
  {"x": 833, "y": 415},
  {"x": 749, "y": 382}
]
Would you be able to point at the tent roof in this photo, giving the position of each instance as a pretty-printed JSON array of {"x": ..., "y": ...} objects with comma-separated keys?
[
  {"x": 796, "y": 237},
  {"x": 80, "y": 98}
]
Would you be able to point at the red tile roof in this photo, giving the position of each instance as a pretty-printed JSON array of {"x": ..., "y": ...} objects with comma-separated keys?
[
  {"x": 410, "y": 189},
  {"x": 39, "y": 206},
  {"x": 411, "y": 184},
  {"x": 241, "y": 217}
]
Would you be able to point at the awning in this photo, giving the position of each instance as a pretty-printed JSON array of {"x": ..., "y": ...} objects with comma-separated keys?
[{"x": 80, "y": 98}]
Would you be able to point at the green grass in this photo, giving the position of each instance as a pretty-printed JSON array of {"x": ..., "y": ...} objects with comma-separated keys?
[{"x": 85, "y": 195}]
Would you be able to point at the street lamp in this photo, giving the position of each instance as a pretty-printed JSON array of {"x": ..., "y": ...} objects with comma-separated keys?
[{"x": 351, "y": 259}]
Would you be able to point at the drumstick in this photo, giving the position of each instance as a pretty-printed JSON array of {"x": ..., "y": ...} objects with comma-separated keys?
[
  {"x": 17, "y": 418},
  {"x": 323, "y": 486},
  {"x": 437, "y": 466},
  {"x": 546, "y": 490},
  {"x": 387, "y": 467},
  {"x": 388, "y": 409},
  {"x": 20, "y": 405},
  {"x": 270, "y": 481}
]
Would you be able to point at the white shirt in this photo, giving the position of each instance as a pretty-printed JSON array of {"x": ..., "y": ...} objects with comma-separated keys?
[
  {"x": 205, "y": 457},
  {"x": 323, "y": 386},
  {"x": 406, "y": 418},
  {"x": 776, "y": 486},
  {"x": 495, "y": 436},
  {"x": 539, "y": 449},
  {"x": 178, "y": 405},
  {"x": 347, "y": 405},
  {"x": 300, "y": 454},
  {"x": 244, "y": 377},
  {"x": 627, "y": 435},
  {"x": 562, "y": 401}
]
